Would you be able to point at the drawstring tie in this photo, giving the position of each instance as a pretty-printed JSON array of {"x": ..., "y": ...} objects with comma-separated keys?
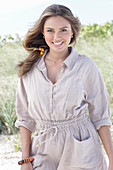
[{"x": 43, "y": 132}]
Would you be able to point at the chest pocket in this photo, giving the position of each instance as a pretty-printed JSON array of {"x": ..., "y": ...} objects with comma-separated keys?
[{"x": 75, "y": 94}]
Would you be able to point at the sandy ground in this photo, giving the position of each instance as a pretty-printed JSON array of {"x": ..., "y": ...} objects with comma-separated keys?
[{"x": 8, "y": 156}]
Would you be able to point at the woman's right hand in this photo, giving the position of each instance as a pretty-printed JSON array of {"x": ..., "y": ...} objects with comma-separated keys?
[{"x": 27, "y": 166}]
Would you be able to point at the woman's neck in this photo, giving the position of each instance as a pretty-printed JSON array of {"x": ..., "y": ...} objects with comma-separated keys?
[{"x": 57, "y": 57}]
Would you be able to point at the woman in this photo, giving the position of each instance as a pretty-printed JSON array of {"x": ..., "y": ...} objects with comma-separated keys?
[{"x": 56, "y": 87}]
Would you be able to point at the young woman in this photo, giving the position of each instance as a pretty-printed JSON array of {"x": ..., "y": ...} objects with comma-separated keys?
[{"x": 56, "y": 87}]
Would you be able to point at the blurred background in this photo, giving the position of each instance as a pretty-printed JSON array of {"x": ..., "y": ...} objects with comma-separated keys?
[
  {"x": 16, "y": 17},
  {"x": 19, "y": 16}
]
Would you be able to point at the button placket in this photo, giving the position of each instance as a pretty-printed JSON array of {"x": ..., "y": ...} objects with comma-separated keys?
[
  {"x": 53, "y": 97},
  {"x": 50, "y": 90}
]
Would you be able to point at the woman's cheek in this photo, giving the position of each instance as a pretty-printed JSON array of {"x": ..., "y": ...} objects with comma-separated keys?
[
  {"x": 48, "y": 37},
  {"x": 67, "y": 37}
]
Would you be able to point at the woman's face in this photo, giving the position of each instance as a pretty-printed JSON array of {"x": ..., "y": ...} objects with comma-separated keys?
[{"x": 57, "y": 32}]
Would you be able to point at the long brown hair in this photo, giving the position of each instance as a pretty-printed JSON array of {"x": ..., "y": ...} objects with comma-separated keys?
[{"x": 34, "y": 38}]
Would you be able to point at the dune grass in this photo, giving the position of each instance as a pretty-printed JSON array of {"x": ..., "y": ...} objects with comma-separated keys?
[{"x": 10, "y": 54}]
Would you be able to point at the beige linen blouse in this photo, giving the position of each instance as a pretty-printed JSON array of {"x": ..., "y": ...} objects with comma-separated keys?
[{"x": 66, "y": 136}]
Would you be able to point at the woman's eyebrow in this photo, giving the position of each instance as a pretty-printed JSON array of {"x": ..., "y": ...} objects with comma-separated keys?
[
  {"x": 59, "y": 28},
  {"x": 64, "y": 27}
]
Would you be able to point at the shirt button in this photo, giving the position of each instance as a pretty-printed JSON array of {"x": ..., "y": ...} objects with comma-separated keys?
[
  {"x": 37, "y": 145},
  {"x": 53, "y": 92}
]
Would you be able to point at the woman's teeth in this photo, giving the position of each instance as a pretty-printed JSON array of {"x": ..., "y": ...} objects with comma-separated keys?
[{"x": 57, "y": 43}]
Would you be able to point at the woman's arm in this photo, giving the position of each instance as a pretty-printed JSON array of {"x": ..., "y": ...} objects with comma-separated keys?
[
  {"x": 25, "y": 144},
  {"x": 25, "y": 141},
  {"x": 105, "y": 135}
]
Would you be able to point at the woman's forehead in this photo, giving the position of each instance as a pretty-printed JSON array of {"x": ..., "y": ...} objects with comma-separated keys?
[{"x": 58, "y": 21}]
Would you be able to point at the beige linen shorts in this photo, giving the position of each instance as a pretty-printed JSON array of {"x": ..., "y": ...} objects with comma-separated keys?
[{"x": 67, "y": 145}]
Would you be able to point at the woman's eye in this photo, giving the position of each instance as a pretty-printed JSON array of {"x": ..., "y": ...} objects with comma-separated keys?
[
  {"x": 49, "y": 30},
  {"x": 63, "y": 30}
]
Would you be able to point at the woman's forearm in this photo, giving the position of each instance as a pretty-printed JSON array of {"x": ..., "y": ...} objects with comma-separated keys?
[
  {"x": 25, "y": 141},
  {"x": 105, "y": 135}
]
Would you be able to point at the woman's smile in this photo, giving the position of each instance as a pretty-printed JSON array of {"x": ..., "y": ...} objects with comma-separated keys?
[{"x": 57, "y": 44}]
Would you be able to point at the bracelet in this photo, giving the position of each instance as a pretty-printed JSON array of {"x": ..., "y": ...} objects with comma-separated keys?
[{"x": 30, "y": 159}]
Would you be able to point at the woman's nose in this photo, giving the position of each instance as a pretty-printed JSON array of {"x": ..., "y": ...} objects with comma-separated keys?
[{"x": 56, "y": 35}]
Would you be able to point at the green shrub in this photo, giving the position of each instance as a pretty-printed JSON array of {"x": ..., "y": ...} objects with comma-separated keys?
[{"x": 97, "y": 30}]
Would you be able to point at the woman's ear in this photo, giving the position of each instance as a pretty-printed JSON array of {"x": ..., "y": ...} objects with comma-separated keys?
[
  {"x": 43, "y": 34},
  {"x": 72, "y": 35}
]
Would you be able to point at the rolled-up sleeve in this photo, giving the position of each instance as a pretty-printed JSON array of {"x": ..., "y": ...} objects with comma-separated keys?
[
  {"x": 23, "y": 117},
  {"x": 97, "y": 97}
]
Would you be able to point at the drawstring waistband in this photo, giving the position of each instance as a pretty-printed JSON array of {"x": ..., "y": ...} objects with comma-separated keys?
[
  {"x": 44, "y": 126},
  {"x": 43, "y": 132}
]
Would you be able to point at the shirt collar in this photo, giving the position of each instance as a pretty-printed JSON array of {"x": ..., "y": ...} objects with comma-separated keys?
[{"x": 69, "y": 61}]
